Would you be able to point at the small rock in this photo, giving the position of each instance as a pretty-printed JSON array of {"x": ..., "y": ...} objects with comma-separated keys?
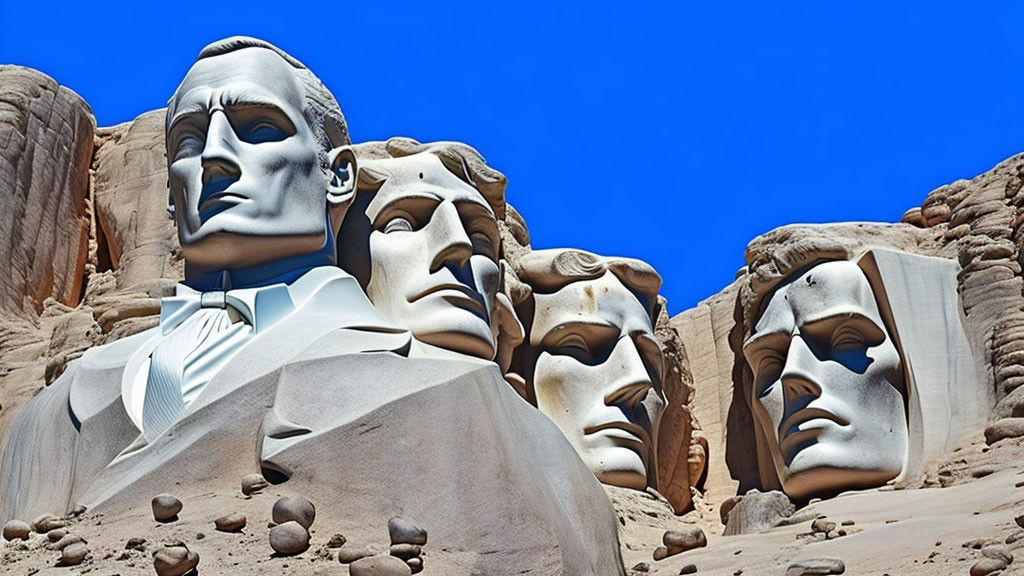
[
  {"x": 642, "y": 567},
  {"x": 816, "y": 567},
  {"x": 47, "y": 522},
  {"x": 997, "y": 551},
  {"x": 1005, "y": 428},
  {"x": 350, "y": 554},
  {"x": 74, "y": 555},
  {"x": 379, "y": 566},
  {"x": 289, "y": 538},
  {"x": 660, "y": 553},
  {"x": 253, "y": 483},
  {"x": 415, "y": 564},
  {"x": 1019, "y": 520},
  {"x": 847, "y": 523},
  {"x": 136, "y": 544},
  {"x": 174, "y": 560},
  {"x": 726, "y": 508},
  {"x": 55, "y": 535},
  {"x": 405, "y": 532},
  {"x": 64, "y": 542},
  {"x": 688, "y": 569},
  {"x": 685, "y": 539},
  {"x": 756, "y": 512},
  {"x": 79, "y": 510},
  {"x": 405, "y": 551},
  {"x": 166, "y": 508},
  {"x": 822, "y": 525},
  {"x": 1015, "y": 536},
  {"x": 833, "y": 535},
  {"x": 336, "y": 541},
  {"x": 16, "y": 530},
  {"x": 294, "y": 508},
  {"x": 987, "y": 566},
  {"x": 233, "y": 522}
]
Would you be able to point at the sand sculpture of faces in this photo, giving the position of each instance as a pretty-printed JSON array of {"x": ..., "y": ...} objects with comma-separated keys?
[
  {"x": 592, "y": 363},
  {"x": 425, "y": 243},
  {"x": 828, "y": 392},
  {"x": 259, "y": 171}
]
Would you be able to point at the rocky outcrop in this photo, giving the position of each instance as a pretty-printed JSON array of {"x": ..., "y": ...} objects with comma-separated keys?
[
  {"x": 46, "y": 140},
  {"x": 137, "y": 238}
]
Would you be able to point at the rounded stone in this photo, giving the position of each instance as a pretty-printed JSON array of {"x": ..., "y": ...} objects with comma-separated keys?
[
  {"x": 174, "y": 560},
  {"x": 987, "y": 566},
  {"x": 816, "y": 567},
  {"x": 336, "y": 541},
  {"x": 405, "y": 532},
  {"x": 641, "y": 567},
  {"x": 56, "y": 535},
  {"x": 289, "y": 538},
  {"x": 166, "y": 508},
  {"x": 660, "y": 553},
  {"x": 685, "y": 539},
  {"x": 74, "y": 555},
  {"x": 348, "y": 555},
  {"x": 253, "y": 483},
  {"x": 688, "y": 569},
  {"x": 405, "y": 551},
  {"x": 64, "y": 542},
  {"x": 231, "y": 523},
  {"x": 294, "y": 509},
  {"x": 46, "y": 522},
  {"x": 16, "y": 530},
  {"x": 379, "y": 566},
  {"x": 415, "y": 564},
  {"x": 822, "y": 525}
]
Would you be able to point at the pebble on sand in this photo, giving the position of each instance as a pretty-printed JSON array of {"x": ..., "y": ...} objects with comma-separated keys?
[
  {"x": 233, "y": 522},
  {"x": 16, "y": 530},
  {"x": 405, "y": 532},
  {"x": 74, "y": 555},
  {"x": 289, "y": 538},
  {"x": 166, "y": 508},
  {"x": 379, "y": 566},
  {"x": 174, "y": 560},
  {"x": 294, "y": 508}
]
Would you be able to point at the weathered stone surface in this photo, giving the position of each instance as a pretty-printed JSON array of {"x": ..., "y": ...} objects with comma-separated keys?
[
  {"x": 379, "y": 566},
  {"x": 817, "y": 566},
  {"x": 349, "y": 554},
  {"x": 131, "y": 202},
  {"x": 986, "y": 566},
  {"x": 46, "y": 522},
  {"x": 253, "y": 484},
  {"x": 756, "y": 512},
  {"x": 46, "y": 142},
  {"x": 289, "y": 538}
]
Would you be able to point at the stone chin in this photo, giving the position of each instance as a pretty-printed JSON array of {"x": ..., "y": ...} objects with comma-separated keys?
[
  {"x": 616, "y": 465},
  {"x": 446, "y": 325},
  {"x": 825, "y": 468}
]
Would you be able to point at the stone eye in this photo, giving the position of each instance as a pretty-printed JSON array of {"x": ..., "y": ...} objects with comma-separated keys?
[{"x": 398, "y": 224}]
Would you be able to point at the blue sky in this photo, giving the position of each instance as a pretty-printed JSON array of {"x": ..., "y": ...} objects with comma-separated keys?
[{"x": 672, "y": 132}]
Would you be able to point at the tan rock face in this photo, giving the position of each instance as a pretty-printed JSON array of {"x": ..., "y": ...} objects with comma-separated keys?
[
  {"x": 46, "y": 140},
  {"x": 131, "y": 202}
]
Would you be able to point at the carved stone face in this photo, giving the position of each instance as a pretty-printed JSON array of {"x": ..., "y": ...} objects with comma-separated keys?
[
  {"x": 597, "y": 375},
  {"x": 433, "y": 253},
  {"x": 829, "y": 387},
  {"x": 245, "y": 170}
]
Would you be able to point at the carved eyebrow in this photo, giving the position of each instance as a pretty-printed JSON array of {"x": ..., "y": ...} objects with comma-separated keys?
[
  {"x": 185, "y": 112},
  {"x": 563, "y": 327},
  {"x": 375, "y": 214}
]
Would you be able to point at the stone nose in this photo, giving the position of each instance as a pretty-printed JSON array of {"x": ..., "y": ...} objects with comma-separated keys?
[
  {"x": 631, "y": 381},
  {"x": 220, "y": 157},
  {"x": 449, "y": 243},
  {"x": 799, "y": 377}
]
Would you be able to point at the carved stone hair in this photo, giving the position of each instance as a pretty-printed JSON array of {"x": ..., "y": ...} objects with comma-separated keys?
[
  {"x": 460, "y": 159},
  {"x": 320, "y": 109},
  {"x": 547, "y": 271}
]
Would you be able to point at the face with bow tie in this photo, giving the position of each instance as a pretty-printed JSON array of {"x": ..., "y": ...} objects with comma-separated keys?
[{"x": 254, "y": 179}]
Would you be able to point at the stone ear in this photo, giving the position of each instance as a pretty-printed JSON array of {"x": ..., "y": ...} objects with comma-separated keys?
[{"x": 344, "y": 173}]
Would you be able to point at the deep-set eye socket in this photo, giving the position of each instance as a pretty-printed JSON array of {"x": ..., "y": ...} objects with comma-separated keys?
[{"x": 398, "y": 224}]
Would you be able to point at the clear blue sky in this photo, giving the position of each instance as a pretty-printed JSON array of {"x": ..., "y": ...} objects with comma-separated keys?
[{"x": 673, "y": 132}]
